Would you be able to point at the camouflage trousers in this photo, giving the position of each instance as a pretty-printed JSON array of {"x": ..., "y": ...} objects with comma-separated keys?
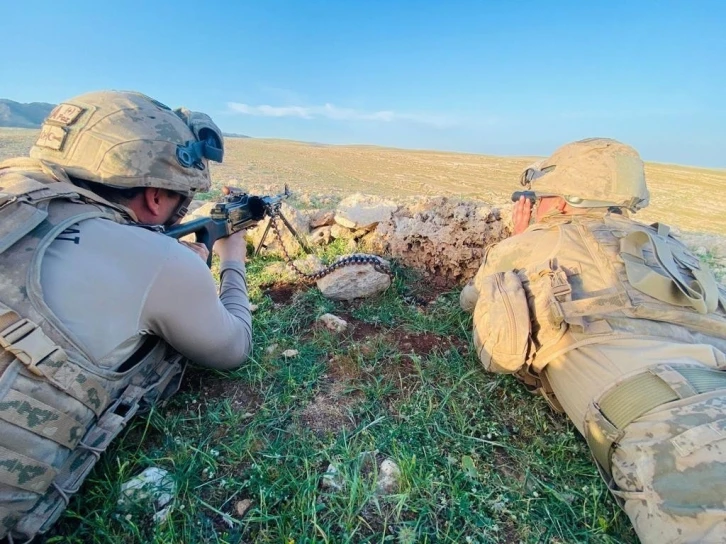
[{"x": 669, "y": 471}]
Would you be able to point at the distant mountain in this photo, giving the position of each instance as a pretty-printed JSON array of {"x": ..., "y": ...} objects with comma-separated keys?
[
  {"x": 16, "y": 114},
  {"x": 19, "y": 115}
]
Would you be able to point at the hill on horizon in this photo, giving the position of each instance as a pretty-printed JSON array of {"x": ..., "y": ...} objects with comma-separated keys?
[
  {"x": 21, "y": 115},
  {"x": 31, "y": 115}
]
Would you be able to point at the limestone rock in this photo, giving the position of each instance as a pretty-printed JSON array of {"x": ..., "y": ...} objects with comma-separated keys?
[
  {"x": 389, "y": 476},
  {"x": 154, "y": 487},
  {"x": 320, "y": 236},
  {"x": 242, "y": 506},
  {"x": 309, "y": 264},
  {"x": 333, "y": 322},
  {"x": 333, "y": 479},
  {"x": 354, "y": 281},
  {"x": 360, "y": 211},
  {"x": 322, "y": 218},
  {"x": 444, "y": 237},
  {"x": 272, "y": 247},
  {"x": 288, "y": 353},
  {"x": 339, "y": 231}
]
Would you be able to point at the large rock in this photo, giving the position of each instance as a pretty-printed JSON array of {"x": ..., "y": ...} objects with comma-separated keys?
[
  {"x": 320, "y": 236},
  {"x": 354, "y": 281},
  {"x": 322, "y": 218},
  {"x": 444, "y": 237},
  {"x": 298, "y": 220},
  {"x": 360, "y": 211},
  {"x": 339, "y": 231}
]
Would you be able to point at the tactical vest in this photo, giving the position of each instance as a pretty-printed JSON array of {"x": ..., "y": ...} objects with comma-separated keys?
[
  {"x": 641, "y": 282},
  {"x": 608, "y": 278},
  {"x": 58, "y": 410}
]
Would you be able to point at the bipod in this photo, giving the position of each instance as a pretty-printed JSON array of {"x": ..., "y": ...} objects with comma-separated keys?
[{"x": 274, "y": 214}]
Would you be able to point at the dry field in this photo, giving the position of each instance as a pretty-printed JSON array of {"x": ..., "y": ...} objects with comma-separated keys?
[{"x": 678, "y": 193}]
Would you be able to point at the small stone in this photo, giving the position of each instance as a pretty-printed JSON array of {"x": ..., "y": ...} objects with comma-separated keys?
[
  {"x": 271, "y": 349},
  {"x": 241, "y": 507},
  {"x": 351, "y": 246},
  {"x": 333, "y": 322},
  {"x": 290, "y": 353},
  {"x": 254, "y": 307},
  {"x": 332, "y": 479},
  {"x": 154, "y": 485},
  {"x": 389, "y": 476}
]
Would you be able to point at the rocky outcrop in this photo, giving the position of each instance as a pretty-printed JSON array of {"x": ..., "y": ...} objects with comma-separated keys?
[{"x": 443, "y": 237}]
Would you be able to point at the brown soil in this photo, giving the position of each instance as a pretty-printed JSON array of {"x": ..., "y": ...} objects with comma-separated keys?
[
  {"x": 328, "y": 411},
  {"x": 208, "y": 386},
  {"x": 281, "y": 293}
]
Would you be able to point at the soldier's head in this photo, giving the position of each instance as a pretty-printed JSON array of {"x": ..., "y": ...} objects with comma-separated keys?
[
  {"x": 592, "y": 173},
  {"x": 133, "y": 150}
]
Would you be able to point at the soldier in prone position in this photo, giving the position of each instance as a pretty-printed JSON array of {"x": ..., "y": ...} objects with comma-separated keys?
[
  {"x": 618, "y": 324},
  {"x": 98, "y": 310}
]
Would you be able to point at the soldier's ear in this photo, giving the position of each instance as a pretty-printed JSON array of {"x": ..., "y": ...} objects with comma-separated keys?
[{"x": 153, "y": 200}]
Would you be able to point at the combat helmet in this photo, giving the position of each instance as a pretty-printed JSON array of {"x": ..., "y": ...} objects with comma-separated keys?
[
  {"x": 126, "y": 139},
  {"x": 591, "y": 173}
]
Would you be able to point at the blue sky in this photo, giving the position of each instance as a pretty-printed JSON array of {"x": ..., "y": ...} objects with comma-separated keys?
[{"x": 493, "y": 77}]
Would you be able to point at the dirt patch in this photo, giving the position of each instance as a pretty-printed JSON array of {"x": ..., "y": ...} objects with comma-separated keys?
[
  {"x": 281, "y": 293},
  {"x": 328, "y": 411},
  {"x": 362, "y": 331},
  {"x": 210, "y": 387},
  {"x": 326, "y": 414},
  {"x": 425, "y": 343},
  {"x": 506, "y": 466}
]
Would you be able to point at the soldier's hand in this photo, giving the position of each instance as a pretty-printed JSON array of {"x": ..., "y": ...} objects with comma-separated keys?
[
  {"x": 199, "y": 249},
  {"x": 231, "y": 248},
  {"x": 521, "y": 215}
]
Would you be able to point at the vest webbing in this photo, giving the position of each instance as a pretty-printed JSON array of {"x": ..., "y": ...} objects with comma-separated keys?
[{"x": 700, "y": 294}]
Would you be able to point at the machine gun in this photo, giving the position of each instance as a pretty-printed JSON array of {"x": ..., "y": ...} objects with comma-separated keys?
[{"x": 237, "y": 211}]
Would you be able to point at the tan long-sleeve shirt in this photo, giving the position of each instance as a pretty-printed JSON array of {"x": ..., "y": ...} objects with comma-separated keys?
[{"x": 112, "y": 285}]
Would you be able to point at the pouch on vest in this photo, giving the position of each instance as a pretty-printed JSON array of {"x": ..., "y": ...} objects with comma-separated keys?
[{"x": 502, "y": 323}]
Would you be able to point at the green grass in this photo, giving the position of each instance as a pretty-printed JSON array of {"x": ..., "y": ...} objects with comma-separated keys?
[{"x": 481, "y": 459}]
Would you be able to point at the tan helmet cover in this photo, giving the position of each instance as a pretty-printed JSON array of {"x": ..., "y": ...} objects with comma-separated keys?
[
  {"x": 126, "y": 139},
  {"x": 591, "y": 173}
]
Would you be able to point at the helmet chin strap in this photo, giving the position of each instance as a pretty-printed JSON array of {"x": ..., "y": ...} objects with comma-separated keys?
[{"x": 181, "y": 210}]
